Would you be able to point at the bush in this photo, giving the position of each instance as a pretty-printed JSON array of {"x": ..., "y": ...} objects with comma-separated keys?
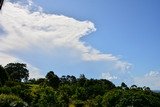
[
  {"x": 11, "y": 101},
  {"x": 12, "y": 83},
  {"x": 5, "y": 90}
]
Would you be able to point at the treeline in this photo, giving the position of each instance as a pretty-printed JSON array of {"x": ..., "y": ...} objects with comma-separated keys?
[{"x": 16, "y": 90}]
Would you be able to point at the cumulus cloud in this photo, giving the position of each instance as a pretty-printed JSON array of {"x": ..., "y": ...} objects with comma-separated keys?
[
  {"x": 151, "y": 79},
  {"x": 34, "y": 72},
  {"x": 5, "y": 59},
  {"x": 108, "y": 76},
  {"x": 34, "y": 35}
]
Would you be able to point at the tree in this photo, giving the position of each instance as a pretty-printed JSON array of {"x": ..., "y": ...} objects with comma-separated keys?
[
  {"x": 52, "y": 79},
  {"x": 80, "y": 95},
  {"x": 112, "y": 98},
  {"x": 81, "y": 80},
  {"x": 130, "y": 98},
  {"x": 146, "y": 88},
  {"x": 124, "y": 86},
  {"x": 1, "y": 3},
  {"x": 17, "y": 71},
  {"x": 65, "y": 92},
  {"x": 3, "y": 75},
  {"x": 68, "y": 79},
  {"x": 133, "y": 87},
  {"x": 40, "y": 81},
  {"x": 47, "y": 97}
]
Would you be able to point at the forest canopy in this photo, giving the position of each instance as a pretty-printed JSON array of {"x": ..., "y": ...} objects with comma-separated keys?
[{"x": 16, "y": 90}]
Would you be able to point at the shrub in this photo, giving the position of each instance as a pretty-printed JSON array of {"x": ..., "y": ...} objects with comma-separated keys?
[{"x": 11, "y": 101}]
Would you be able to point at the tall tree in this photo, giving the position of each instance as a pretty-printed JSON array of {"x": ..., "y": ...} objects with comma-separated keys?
[
  {"x": 3, "y": 75},
  {"x": 52, "y": 79},
  {"x": 124, "y": 86},
  {"x": 17, "y": 71},
  {"x": 1, "y": 3}
]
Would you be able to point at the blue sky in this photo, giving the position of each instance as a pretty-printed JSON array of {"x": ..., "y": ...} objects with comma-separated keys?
[
  {"x": 125, "y": 34},
  {"x": 130, "y": 29}
]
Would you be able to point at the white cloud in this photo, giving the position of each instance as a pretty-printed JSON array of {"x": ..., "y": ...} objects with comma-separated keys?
[
  {"x": 33, "y": 32},
  {"x": 151, "y": 79},
  {"x": 34, "y": 72},
  {"x": 108, "y": 76},
  {"x": 5, "y": 59},
  {"x": 123, "y": 66},
  {"x": 152, "y": 74}
]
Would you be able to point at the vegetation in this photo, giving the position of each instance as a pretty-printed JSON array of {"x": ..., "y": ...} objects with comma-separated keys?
[
  {"x": 68, "y": 91},
  {"x": 1, "y": 3}
]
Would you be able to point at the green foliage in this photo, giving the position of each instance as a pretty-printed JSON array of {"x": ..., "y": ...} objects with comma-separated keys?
[
  {"x": 47, "y": 97},
  {"x": 42, "y": 96},
  {"x": 5, "y": 90},
  {"x": 52, "y": 79},
  {"x": 17, "y": 71},
  {"x": 64, "y": 94},
  {"x": 81, "y": 80},
  {"x": 14, "y": 83},
  {"x": 3, "y": 76},
  {"x": 133, "y": 98},
  {"x": 20, "y": 89},
  {"x": 68, "y": 79},
  {"x": 98, "y": 87},
  {"x": 80, "y": 94},
  {"x": 94, "y": 102},
  {"x": 137, "y": 99},
  {"x": 124, "y": 86},
  {"x": 11, "y": 101},
  {"x": 111, "y": 98},
  {"x": 41, "y": 81},
  {"x": 53, "y": 91}
]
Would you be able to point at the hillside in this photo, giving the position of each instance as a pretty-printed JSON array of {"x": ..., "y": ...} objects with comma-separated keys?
[{"x": 54, "y": 91}]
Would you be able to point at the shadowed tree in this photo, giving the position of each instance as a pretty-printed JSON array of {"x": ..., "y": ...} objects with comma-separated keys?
[
  {"x": 17, "y": 71},
  {"x": 52, "y": 79},
  {"x": 124, "y": 86},
  {"x": 3, "y": 75},
  {"x": 1, "y": 3},
  {"x": 146, "y": 88}
]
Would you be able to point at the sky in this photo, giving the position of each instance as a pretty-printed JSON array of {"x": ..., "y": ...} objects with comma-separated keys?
[{"x": 109, "y": 39}]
